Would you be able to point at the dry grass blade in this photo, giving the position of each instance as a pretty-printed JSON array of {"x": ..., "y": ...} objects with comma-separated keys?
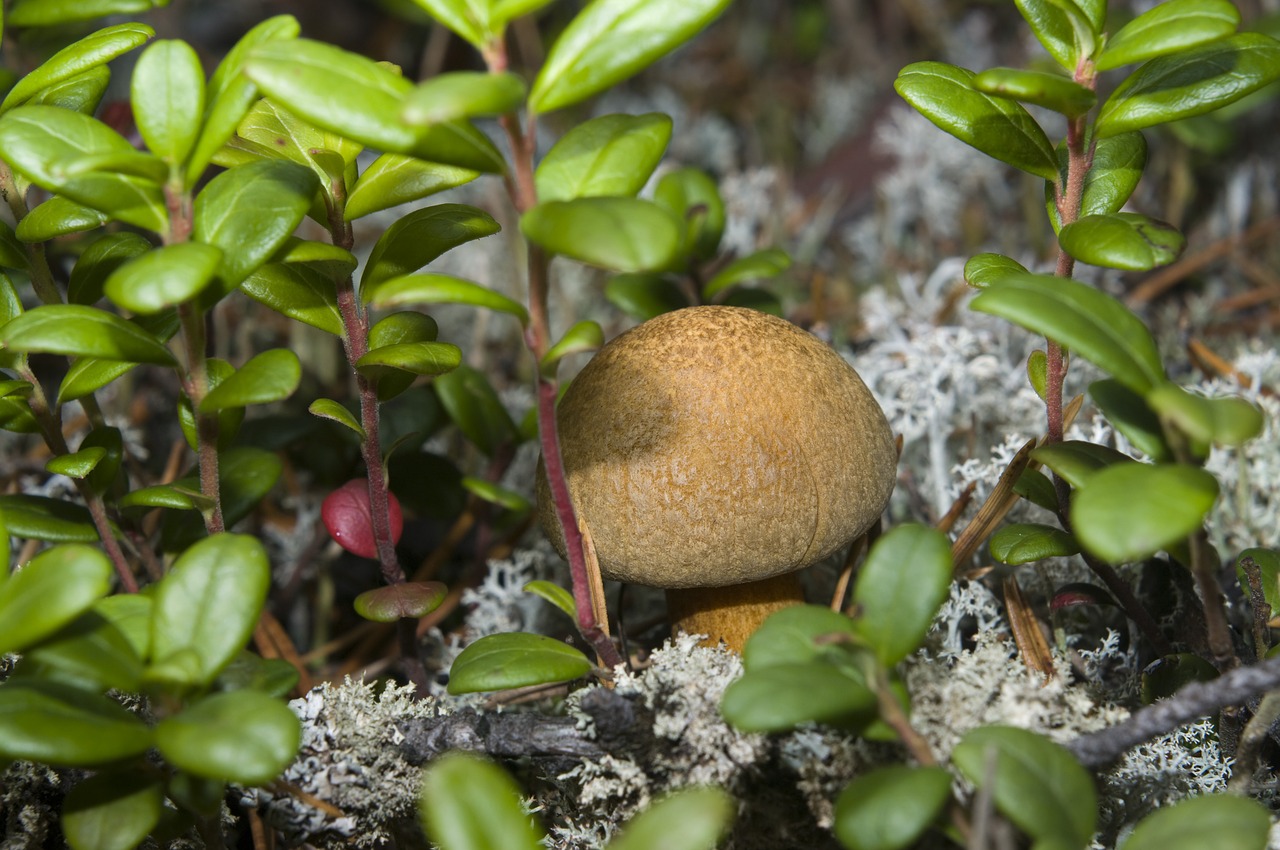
[
  {"x": 1171, "y": 276},
  {"x": 998, "y": 503},
  {"x": 1209, "y": 362},
  {"x": 1031, "y": 642}
]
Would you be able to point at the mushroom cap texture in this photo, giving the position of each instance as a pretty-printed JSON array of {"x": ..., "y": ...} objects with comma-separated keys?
[{"x": 714, "y": 446}]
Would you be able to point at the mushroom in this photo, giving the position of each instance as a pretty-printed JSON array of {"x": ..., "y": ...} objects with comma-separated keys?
[{"x": 713, "y": 451}]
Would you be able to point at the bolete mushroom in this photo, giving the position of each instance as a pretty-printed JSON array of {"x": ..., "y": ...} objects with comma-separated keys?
[{"x": 713, "y": 451}]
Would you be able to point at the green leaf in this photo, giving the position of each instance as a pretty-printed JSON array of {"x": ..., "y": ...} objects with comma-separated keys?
[
  {"x": 1268, "y": 563},
  {"x": 1036, "y": 783},
  {"x": 270, "y": 376},
  {"x": 1038, "y": 372},
  {"x": 982, "y": 270},
  {"x": 780, "y": 697},
  {"x": 1129, "y": 413},
  {"x": 321, "y": 256},
  {"x": 44, "y": 13},
  {"x": 474, "y": 406},
  {"x": 795, "y": 635},
  {"x": 1022, "y": 543},
  {"x": 442, "y": 289},
  {"x": 327, "y": 408},
  {"x": 460, "y": 144},
  {"x": 693, "y": 197},
  {"x": 299, "y": 291},
  {"x": 1050, "y": 91},
  {"x": 113, "y": 810},
  {"x": 249, "y": 212},
  {"x": 420, "y": 237},
  {"x": 470, "y": 19},
  {"x": 167, "y": 94},
  {"x": 60, "y": 725},
  {"x": 58, "y": 217},
  {"x": 624, "y": 234},
  {"x": 610, "y": 40},
  {"x": 610, "y": 155},
  {"x": 13, "y": 254},
  {"x": 393, "y": 179},
  {"x": 505, "y": 10},
  {"x": 496, "y": 494},
  {"x": 581, "y": 338},
  {"x": 1087, "y": 321},
  {"x": 272, "y": 676},
  {"x": 209, "y": 603},
  {"x": 93, "y": 50},
  {"x": 394, "y": 602},
  {"x": 899, "y": 589},
  {"x": 78, "y": 464},
  {"x": 555, "y": 594},
  {"x": 470, "y": 804},
  {"x": 1223, "y": 421},
  {"x": 99, "y": 261},
  {"x": 1000, "y": 128},
  {"x": 891, "y": 807},
  {"x": 761, "y": 265},
  {"x": 1129, "y": 511},
  {"x": 1125, "y": 241},
  {"x": 462, "y": 94},
  {"x": 88, "y": 374},
  {"x": 1221, "y": 821},
  {"x": 1166, "y": 676},
  {"x": 159, "y": 496},
  {"x": 1076, "y": 461},
  {"x": 245, "y": 737},
  {"x": 1190, "y": 82},
  {"x": 43, "y": 518},
  {"x": 1118, "y": 163},
  {"x": 1170, "y": 27},
  {"x": 81, "y": 93},
  {"x": 1063, "y": 28},
  {"x": 690, "y": 819},
  {"x": 57, "y": 586},
  {"x": 164, "y": 277},
  {"x": 79, "y": 331},
  {"x": 644, "y": 295},
  {"x": 420, "y": 358},
  {"x": 515, "y": 660},
  {"x": 92, "y": 652}
]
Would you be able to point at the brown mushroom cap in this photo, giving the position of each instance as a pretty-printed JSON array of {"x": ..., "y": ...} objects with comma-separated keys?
[{"x": 717, "y": 446}]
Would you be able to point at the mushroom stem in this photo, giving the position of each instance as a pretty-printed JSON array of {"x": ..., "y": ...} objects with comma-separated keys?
[{"x": 731, "y": 613}]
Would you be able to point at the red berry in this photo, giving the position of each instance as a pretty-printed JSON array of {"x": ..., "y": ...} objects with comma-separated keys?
[{"x": 346, "y": 514}]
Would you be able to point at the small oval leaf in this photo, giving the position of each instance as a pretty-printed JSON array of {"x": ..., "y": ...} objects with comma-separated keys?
[{"x": 515, "y": 660}]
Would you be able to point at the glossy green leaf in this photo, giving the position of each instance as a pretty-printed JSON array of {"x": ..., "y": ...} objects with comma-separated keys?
[
  {"x": 93, "y": 50},
  {"x": 899, "y": 589},
  {"x": 1190, "y": 82},
  {"x": 276, "y": 132},
  {"x": 441, "y": 289},
  {"x": 244, "y": 736},
  {"x": 56, "y": 217},
  {"x": 92, "y": 652},
  {"x": 1130, "y": 511},
  {"x": 1087, "y": 321},
  {"x": 471, "y": 804},
  {"x": 79, "y": 331},
  {"x": 754, "y": 298},
  {"x": 693, "y": 197},
  {"x": 474, "y": 406},
  {"x": 1223, "y": 421},
  {"x": 1062, "y": 26},
  {"x": 81, "y": 93},
  {"x": 272, "y": 676},
  {"x": 57, "y": 586},
  {"x": 57, "y": 724},
  {"x": 398, "y": 329},
  {"x": 1221, "y": 821},
  {"x": 394, "y": 602},
  {"x": 1076, "y": 461},
  {"x": 44, "y": 518},
  {"x": 644, "y": 295},
  {"x": 44, "y": 13},
  {"x": 99, "y": 261},
  {"x": 610, "y": 40},
  {"x": 393, "y": 179},
  {"x": 761, "y": 265},
  {"x": 110, "y": 443},
  {"x": 982, "y": 270},
  {"x": 1268, "y": 563},
  {"x": 1165, "y": 676},
  {"x": 795, "y": 635},
  {"x": 1024, "y": 542},
  {"x": 209, "y": 603},
  {"x": 690, "y": 819},
  {"x": 624, "y": 234},
  {"x": 112, "y": 810},
  {"x": 327, "y": 408},
  {"x": 164, "y": 277},
  {"x": 503, "y": 11},
  {"x": 322, "y": 256},
  {"x": 1126, "y": 241},
  {"x": 1129, "y": 413},
  {"x": 299, "y": 291},
  {"x": 1169, "y": 27},
  {"x": 1050, "y": 91},
  {"x": 496, "y": 494},
  {"x": 515, "y": 660},
  {"x": 88, "y": 374},
  {"x": 780, "y": 697},
  {"x": 231, "y": 94},
  {"x": 13, "y": 254},
  {"x": 270, "y": 376},
  {"x": 167, "y": 93},
  {"x": 462, "y": 94},
  {"x": 78, "y": 464},
  {"x": 470, "y": 19},
  {"x": 420, "y": 237},
  {"x": 555, "y": 594},
  {"x": 460, "y": 144},
  {"x": 145, "y": 166},
  {"x": 159, "y": 496},
  {"x": 610, "y": 155},
  {"x": 1118, "y": 163},
  {"x": 998, "y": 127},
  {"x": 891, "y": 807},
  {"x": 1038, "y": 372},
  {"x": 420, "y": 358},
  {"x": 582, "y": 337},
  {"x": 249, "y": 212},
  {"x": 1035, "y": 783}
]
